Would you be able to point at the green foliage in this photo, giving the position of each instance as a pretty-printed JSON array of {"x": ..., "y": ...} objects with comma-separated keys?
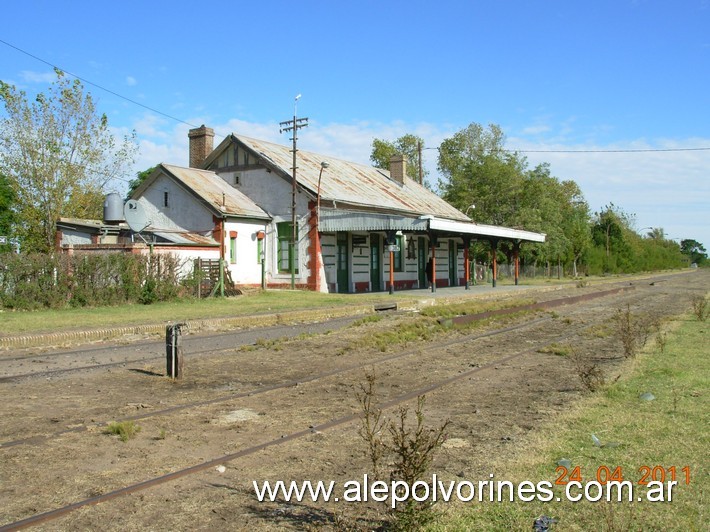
[
  {"x": 695, "y": 251},
  {"x": 478, "y": 170},
  {"x": 7, "y": 214},
  {"x": 407, "y": 145},
  {"x": 406, "y": 447},
  {"x": 58, "y": 155},
  {"x": 700, "y": 307},
  {"x": 125, "y": 430},
  {"x": 371, "y": 318},
  {"x": 138, "y": 181},
  {"x": 670, "y": 431},
  {"x": 35, "y": 281}
]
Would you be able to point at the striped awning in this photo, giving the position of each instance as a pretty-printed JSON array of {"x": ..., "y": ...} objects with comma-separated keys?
[{"x": 332, "y": 220}]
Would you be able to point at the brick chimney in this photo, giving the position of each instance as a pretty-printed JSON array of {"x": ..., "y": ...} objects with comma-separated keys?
[
  {"x": 201, "y": 145},
  {"x": 398, "y": 168}
]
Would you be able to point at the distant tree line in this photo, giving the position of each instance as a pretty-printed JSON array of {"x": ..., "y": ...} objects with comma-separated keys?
[{"x": 498, "y": 187}]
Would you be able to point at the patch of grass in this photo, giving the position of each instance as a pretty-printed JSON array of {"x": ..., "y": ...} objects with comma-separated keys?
[
  {"x": 671, "y": 430},
  {"x": 125, "y": 430},
  {"x": 472, "y": 307},
  {"x": 258, "y": 302},
  {"x": 561, "y": 350},
  {"x": 700, "y": 308},
  {"x": 601, "y": 330},
  {"x": 370, "y": 318}
]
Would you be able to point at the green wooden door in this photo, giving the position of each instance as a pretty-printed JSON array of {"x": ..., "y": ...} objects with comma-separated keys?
[
  {"x": 342, "y": 264},
  {"x": 375, "y": 263}
]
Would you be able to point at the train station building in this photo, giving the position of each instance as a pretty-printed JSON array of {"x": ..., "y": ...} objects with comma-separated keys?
[{"x": 357, "y": 228}]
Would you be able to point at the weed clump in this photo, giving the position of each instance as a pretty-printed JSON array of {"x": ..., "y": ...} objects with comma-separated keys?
[
  {"x": 125, "y": 430},
  {"x": 632, "y": 330},
  {"x": 371, "y": 318},
  {"x": 589, "y": 373},
  {"x": 407, "y": 446},
  {"x": 700, "y": 308}
]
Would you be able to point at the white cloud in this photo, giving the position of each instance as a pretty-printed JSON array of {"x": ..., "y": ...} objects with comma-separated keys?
[
  {"x": 131, "y": 81},
  {"x": 29, "y": 76},
  {"x": 669, "y": 189},
  {"x": 535, "y": 130}
]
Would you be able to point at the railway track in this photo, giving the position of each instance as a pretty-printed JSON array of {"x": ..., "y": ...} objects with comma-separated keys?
[
  {"x": 511, "y": 347},
  {"x": 281, "y": 440},
  {"x": 554, "y": 303},
  {"x": 130, "y": 354}
]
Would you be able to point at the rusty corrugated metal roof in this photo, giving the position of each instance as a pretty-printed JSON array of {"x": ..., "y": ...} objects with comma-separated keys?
[
  {"x": 355, "y": 184},
  {"x": 185, "y": 237},
  {"x": 216, "y": 192}
]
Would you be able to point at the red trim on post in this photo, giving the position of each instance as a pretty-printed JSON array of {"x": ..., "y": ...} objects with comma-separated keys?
[{"x": 314, "y": 249}]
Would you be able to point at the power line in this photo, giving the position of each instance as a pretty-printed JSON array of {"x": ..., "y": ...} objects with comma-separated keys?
[
  {"x": 181, "y": 121},
  {"x": 646, "y": 150},
  {"x": 641, "y": 150},
  {"x": 98, "y": 86}
]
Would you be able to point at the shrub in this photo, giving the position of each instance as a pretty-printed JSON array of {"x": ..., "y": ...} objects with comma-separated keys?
[
  {"x": 408, "y": 447},
  {"x": 125, "y": 430},
  {"x": 36, "y": 281}
]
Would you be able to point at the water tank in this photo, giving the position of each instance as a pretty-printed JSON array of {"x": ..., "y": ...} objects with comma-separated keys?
[{"x": 113, "y": 208}]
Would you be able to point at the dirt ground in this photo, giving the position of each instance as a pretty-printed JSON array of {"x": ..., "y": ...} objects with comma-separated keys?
[{"x": 287, "y": 409}]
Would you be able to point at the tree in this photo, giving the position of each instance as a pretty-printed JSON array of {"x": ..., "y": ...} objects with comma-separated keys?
[
  {"x": 59, "y": 155},
  {"x": 7, "y": 214},
  {"x": 656, "y": 233},
  {"x": 138, "y": 181},
  {"x": 478, "y": 171},
  {"x": 407, "y": 145},
  {"x": 694, "y": 250}
]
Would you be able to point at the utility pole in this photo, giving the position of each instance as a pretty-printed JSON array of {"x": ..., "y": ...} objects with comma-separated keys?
[
  {"x": 419, "y": 151},
  {"x": 293, "y": 125}
]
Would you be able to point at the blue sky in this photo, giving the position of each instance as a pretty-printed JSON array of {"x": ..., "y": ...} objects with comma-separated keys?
[{"x": 555, "y": 75}]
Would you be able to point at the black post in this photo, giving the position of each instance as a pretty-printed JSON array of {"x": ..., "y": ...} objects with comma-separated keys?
[{"x": 173, "y": 350}]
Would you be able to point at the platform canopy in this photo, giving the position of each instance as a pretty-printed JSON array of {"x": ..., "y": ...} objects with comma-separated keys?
[{"x": 333, "y": 220}]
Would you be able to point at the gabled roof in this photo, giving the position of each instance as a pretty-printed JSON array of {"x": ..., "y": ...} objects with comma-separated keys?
[
  {"x": 213, "y": 191},
  {"x": 348, "y": 184}
]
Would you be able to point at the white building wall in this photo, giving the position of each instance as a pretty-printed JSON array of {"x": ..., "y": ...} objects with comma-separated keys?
[
  {"x": 274, "y": 195},
  {"x": 409, "y": 271},
  {"x": 187, "y": 257},
  {"x": 73, "y": 237},
  {"x": 442, "y": 259},
  {"x": 247, "y": 268},
  {"x": 184, "y": 211}
]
